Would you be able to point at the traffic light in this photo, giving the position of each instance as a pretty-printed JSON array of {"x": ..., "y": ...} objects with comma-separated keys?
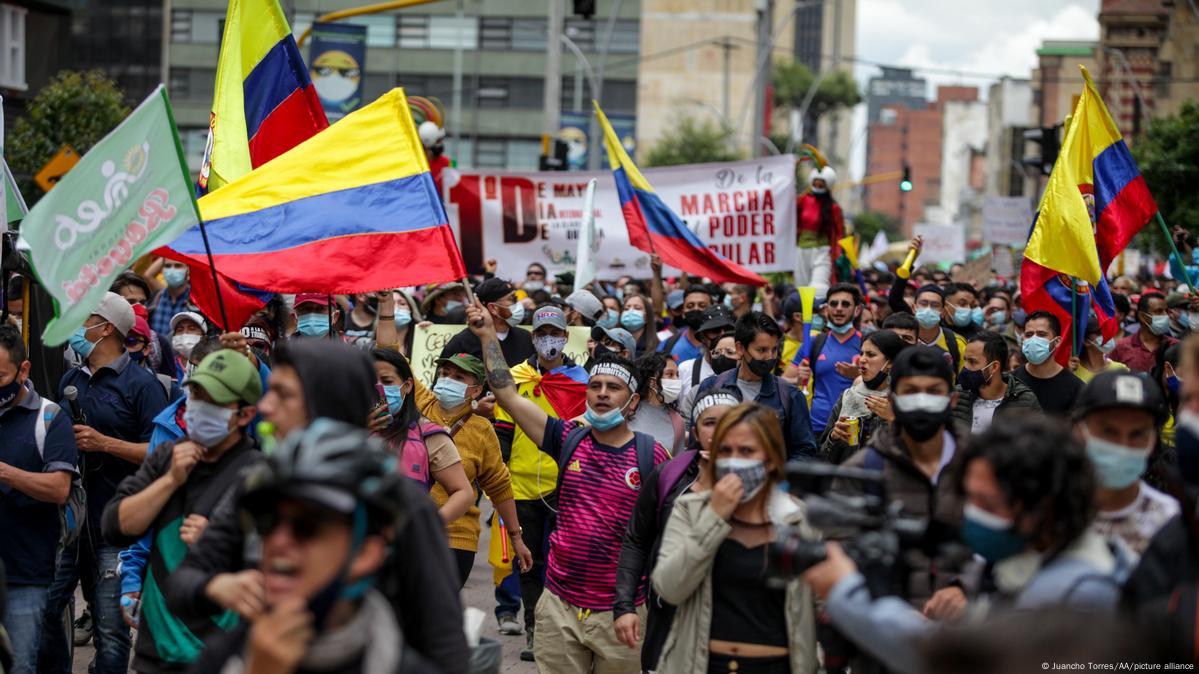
[
  {"x": 905, "y": 184},
  {"x": 1047, "y": 138},
  {"x": 584, "y": 8}
]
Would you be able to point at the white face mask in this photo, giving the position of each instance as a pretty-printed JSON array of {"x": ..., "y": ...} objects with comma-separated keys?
[
  {"x": 671, "y": 388},
  {"x": 183, "y": 344}
]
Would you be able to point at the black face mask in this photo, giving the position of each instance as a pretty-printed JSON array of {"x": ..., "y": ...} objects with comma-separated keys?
[
  {"x": 922, "y": 425},
  {"x": 693, "y": 319},
  {"x": 876, "y": 382},
  {"x": 600, "y": 350},
  {"x": 762, "y": 367},
  {"x": 973, "y": 380},
  {"x": 723, "y": 364}
]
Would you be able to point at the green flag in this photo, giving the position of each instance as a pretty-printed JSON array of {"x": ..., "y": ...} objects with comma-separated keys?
[
  {"x": 14, "y": 203},
  {"x": 129, "y": 195}
]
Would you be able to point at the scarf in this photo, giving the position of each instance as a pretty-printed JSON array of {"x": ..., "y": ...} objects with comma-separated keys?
[{"x": 853, "y": 402}]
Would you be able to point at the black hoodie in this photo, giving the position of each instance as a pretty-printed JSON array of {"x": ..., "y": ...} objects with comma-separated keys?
[{"x": 338, "y": 379}]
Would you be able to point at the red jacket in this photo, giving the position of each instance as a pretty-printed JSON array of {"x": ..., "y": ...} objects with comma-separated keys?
[{"x": 807, "y": 219}]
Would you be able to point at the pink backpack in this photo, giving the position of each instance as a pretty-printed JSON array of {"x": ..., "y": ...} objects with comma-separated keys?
[{"x": 414, "y": 453}]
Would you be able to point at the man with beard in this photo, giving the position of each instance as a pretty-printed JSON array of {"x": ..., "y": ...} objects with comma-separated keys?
[{"x": 820, "y": 226}]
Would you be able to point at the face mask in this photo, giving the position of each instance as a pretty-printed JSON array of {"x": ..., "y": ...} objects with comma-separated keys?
[
  {"x": 998, "y": 318},
  {"x": 922, "y": 415},
  {"x": 394, "y": 395},
  {"x": 961, "y": 316},
  {"x": 693, "y": 319},
  {"x": 928, "y": 318},
  {"x": 80, "y": 343},
  {"x": 606, "y": 421},
  {"x": 1116, "y": 465},
  {"x": 723, "y": 363},
  {"x": 762, "y": 367},
  {"x": 973, "y": 380},
  {"x": 403, "y": 317},
  {"x": 1036, "y": 349},
  {"x": 18, "y": 323},
  {"x": 1186, "y": 442},
  {"x": 174, "y": 277},
  {"x": 207, "y": 424},
  {"x": 874, "y": 383},
  {"x": 183, "y": 344},
  {"x": 1105, "y": 347},
  {"x": 549, "y": 347},
  {"x": 450, "y": 305},
  {"x": 1192, "y": 319},
  {"x": 671, "y": 388},
  {"x": 1019, "y": 316},
  {"x": 450, "y": 392},
  {"x": 137, "y": 356},
  {"x": 977, "y": 317},
  {"x": 313, "y": 325},
  {"x": 818, "y": 323},
  {"x": 751, "y": 471},
  {"x": 869, "y": 329},
  {"x": 819, "y": 190},
  {"x": 994, "y": 538},
  {"x": 610, "y": 320},
  {"x": 632, "y": 320},
  {"x": 1173, "y": 384},
  {"x": 534, "y": 286},
  {"x": 841, "y": 329},
  {"x": 1184, "y": 320},
  {"x": 1159, "y": 325},
  {"x": 516, "y": 314},
  {"x": 8, "y": 392}
]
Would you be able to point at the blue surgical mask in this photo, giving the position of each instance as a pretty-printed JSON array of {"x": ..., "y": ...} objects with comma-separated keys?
[
  {"x": 610, "y": 320},
  {"x": 175, "y": 276},
  {"x": 1036, "y": 349},
  {"x": 998, "y": 318},
  {"x": 632, "y": 320},
  {"x": 450, "y": 305},
  {"x": 1105, "y": 347},
  {"x": 450, "y": 393},
  {"x": 1116, "y": 466},
  {"x": 841, "y": 329},
  {"x": 1019, "y": 316},
  {"x": 977, "y": 316},
  {"x": 516, "y": 314},
  {"x": 993, "y": 537},
  {"x": 207, "y": 423},
  {"x": 403, "y": 317},
  {"x": 1159, "y": 325},
  {"x": 80, "y": 343},
  {"x": 818, "y": 323},
  {"x": 928, "y": 318},
  {"x": 394, "y": 395},
  {"x": 312, "y": 325},
  {"x": 961, "y": 316},
  {"x": 869, "y": 329},
  {"x": 606, "y": 421}
]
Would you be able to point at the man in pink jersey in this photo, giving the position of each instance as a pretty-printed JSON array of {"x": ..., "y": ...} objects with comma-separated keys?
[{"x": 600, "y": 467}]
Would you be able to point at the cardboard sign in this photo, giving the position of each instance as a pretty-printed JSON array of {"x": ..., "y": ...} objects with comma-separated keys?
[
  {"x": 976, "y": 272},
  {"x": 429, "y": 340},
  {"x": 942, "y": 243},
  {"x": 1006, "y": 220}
]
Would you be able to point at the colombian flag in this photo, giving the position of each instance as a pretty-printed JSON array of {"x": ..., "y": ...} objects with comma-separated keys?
[
  {"x": 1095, "y": 202},
  {"x": 656, "y": 229},
  {"x": 351, "y": 210},
  {"x": 564, "y": 387}
]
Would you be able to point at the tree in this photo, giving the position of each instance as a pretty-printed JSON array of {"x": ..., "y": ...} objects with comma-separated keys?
[
  {"x": 1168, "y": 156},
  {"x": 693, "y": 142},
  {"x": 870, "y": 223},
  {"x": 74, "y": 108},
  {"x": 793, "y": 80}
]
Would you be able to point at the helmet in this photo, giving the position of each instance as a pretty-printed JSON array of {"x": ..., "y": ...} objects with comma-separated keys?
[
  {"x": 334, "y": 464},
  {"x": 430, "y": 134}
]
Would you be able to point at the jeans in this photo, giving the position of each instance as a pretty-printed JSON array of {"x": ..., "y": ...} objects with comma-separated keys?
[
  {"x": 54, "y": 656},
  {"x": 110, "y": 633},
  {"x": 535, "y": 520},
  {"x": 23, "y": 620},
  {"x": 507, "y": 594}
]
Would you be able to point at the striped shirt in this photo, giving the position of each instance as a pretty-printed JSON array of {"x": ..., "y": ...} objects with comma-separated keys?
[{"x": 599, "y": 490}]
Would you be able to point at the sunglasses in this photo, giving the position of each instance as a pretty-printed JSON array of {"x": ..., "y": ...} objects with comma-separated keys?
[
  {"x": 304, "y": 526},
  {"x": 840, "y": 304}
]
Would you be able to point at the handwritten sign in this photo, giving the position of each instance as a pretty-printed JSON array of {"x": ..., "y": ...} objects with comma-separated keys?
[
  {"x": 942, "y": 243},
  {"x": 1006, "y": 220},
  {"x": 428, "y": 341}
]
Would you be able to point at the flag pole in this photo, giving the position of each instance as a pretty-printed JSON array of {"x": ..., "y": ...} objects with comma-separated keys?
[
  {"x": 216, "y": 284},
  {"x": 1174, "y": 249},
  {"x": 1074, "y": 343}
]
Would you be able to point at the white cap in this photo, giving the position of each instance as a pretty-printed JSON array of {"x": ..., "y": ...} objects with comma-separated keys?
[
  {"x": 189, "y": 316},
  {"x": 430, "y": 134},
  {"x": 116, "y": 310},
  {"x": 827, "y": 174}
]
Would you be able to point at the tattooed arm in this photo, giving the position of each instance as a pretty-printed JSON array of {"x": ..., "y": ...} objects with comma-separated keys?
[{"x": 525, "y": 413}]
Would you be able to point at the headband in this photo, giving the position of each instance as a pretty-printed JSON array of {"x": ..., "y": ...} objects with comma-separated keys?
[
  {"x": 616, "y": 370},
  {"x": 712, "y": 400}
]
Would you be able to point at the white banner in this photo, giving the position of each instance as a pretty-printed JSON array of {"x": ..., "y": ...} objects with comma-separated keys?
[
  {"x": 1006, "y": 220},
  {"x": 942, "y": 243},
  {"x": 743, "y": 210}
]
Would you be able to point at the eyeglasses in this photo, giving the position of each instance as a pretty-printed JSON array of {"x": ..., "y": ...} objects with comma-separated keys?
[
  {"x": 304, "y": 526},
  {"x": 730, "y": 353},
  {"x": 840, "y": 304}
]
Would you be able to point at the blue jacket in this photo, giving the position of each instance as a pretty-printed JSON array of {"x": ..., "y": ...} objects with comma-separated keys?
[{"x": 784, "y": 399}]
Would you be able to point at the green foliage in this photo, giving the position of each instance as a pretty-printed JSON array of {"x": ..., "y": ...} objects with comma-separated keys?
[
  {"x": 792, "y": 81},
  {"x": 1168, "y": 156},
  {"x": 693, "y": 142},
  {"x": 74, "y": 108},
  {"x": 870, "y": 223}
]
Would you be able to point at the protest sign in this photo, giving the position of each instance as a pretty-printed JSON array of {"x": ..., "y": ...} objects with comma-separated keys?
[
  {"x": 942, "y": 243},
  {"x": 743, "y": 210},
  {"x": 338, "y": 56},
  {"x": 129, "y": 195},
  {"x": 1006, "y": 220},
  {"x": 976, "y": 272},
  {"x": 430, "y": 339}
]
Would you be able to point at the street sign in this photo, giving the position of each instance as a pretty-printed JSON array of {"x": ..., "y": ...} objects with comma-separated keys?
[{"x": 56, "y": 168}]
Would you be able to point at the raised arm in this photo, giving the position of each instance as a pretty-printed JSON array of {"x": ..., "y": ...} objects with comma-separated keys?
[
  {"x": 657, "y": 293},
  {"x": 525, "y": 413}
]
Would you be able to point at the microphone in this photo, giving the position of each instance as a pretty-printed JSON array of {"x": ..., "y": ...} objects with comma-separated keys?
[{"x": 72, "y": 394}]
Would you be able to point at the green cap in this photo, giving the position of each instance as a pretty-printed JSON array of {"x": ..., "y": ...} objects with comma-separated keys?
[
  {"x": 467, "y": 363},
  {"x": 227, "y": 376}
]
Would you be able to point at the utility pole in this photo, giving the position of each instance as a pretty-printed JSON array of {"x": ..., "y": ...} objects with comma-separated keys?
[
  {"x": 765, "y": 9},
  {"x": 553, "y": 68}
]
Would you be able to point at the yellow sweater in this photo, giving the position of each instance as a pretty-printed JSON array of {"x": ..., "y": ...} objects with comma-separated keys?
[{"x": 481, "y": 460}]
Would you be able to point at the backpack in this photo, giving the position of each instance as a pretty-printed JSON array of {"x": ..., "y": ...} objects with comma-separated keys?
[
  {"x": 672, "y": 472},
  {"x": 71, "y": 515},
  {"x": 951, "y": 346},
  {"x": 643, "y": 443},
  {"x": 783, "y": 387},
  {"x": 667, "y": 347},
  {"x": 414, "y": 453}
]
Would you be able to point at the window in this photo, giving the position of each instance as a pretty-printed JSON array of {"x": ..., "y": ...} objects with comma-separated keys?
[
  {"x": 180, "y": 85},
  {"x": 491, "y": 153},
  {"x": 197, "y": 27},
  {"x": 12, "y": 47},
  {"x": 438, "y": 32},
  {"x": 528, "y": 34},
  {"x": 493, "y": 93},
  {"x": 437, "y": 86},
  {"x": 523, "y": 155},
  {"x": 495, "y": 33},
  {"x": 194, "y": 140},
  {"x": 380, "y": 29},
  {"x": 626, "y": 37}
]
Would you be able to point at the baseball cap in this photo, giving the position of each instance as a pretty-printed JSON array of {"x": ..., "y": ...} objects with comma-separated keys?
[
  {"x": 493, "y": 290},
  {"x": 467, "y": 363},
  {"x": 716, "y": 317},
  {"x": 433, "y": 292},
  {"x": 114, "y": 309},
  {"x": 587, "y": 304},
  {"x": 1177, "y": 300},
  {"x": 674, "y": 299},
  {"x": 227, "y": 376},
  {"x": 618, "y": 335},
  {"x": 141, "y": 328},
  {"x": 1121, "y": 389},
  {"x": 549, "y": 315},
  {"x": 311, "y": 298},
  {"x": 189, "y": 316}
]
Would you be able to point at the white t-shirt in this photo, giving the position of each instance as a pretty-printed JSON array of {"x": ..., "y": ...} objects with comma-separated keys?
[
  {"x": 984, "y": 413},
  {"x": 687, "y": 368},
  {"x": 1136, "y": 524}
]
